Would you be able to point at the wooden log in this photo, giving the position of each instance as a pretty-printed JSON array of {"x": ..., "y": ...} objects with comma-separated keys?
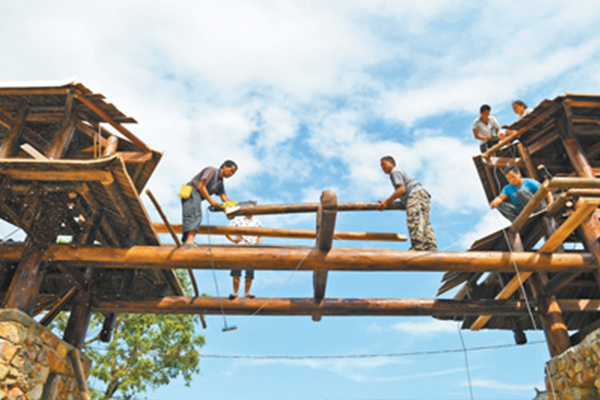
[
  {"x": 58, "y": 307},
  {"x": 326, "y": 217},
  {"x": 107, "y": 327},
  {"x": 501, "y": 162},
  {"x": 584, "y": 182},
  {"x": 28, "y": 134},
  {"x": 530, "y": 207},
  {"x": 307, "y": 306},
  {"x": 25, "y": 286},
  {"x": 62, "y": 138},
  {"x": 529, "y": 167},
  {"x": 287, "y": 258},
  {"x": 104, "y": 115},
  {"x": 310, "y": 207},
  {"x": 75, "y": 357},
  {"x": 79, "y": 319},
  {"x": 10, "y": 145},
  {"x": 283, "y": 233}
]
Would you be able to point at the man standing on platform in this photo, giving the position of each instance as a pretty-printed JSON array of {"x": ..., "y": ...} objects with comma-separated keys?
[
  {"x": 486, "y": 129},
  {"x": 249, "y": 222},
  {"x": 520, "y": 191},
  {"x": 417, "y": 202},
  {"x": 207, "y": 182}
]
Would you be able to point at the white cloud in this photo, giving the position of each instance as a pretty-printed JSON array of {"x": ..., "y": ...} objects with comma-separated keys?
[
  {"x": 491, "y": 222},
  {"x": 512, "y": 387},
  {"x": 425, "y": 328}
]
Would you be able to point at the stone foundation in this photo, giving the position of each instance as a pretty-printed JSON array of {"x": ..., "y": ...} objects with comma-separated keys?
[
  {"x": 575, "y": 374},
  {"x": 34, "y": 363}
]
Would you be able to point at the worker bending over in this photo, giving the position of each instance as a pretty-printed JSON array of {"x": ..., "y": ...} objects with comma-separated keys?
[
  {"x": 520, "y": 191},
  {"x": 246, "y": 221},
  {"x": 416, "y": 201},
  {"x": 207, "y": 182},
  {"x": 487, "y": 129}
]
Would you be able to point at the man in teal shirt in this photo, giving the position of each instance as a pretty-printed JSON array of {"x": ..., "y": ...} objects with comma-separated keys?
[{"x": 520, "y": 191}]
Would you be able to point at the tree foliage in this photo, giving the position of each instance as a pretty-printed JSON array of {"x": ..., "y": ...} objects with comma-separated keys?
[{"x": 146, "y": 351}]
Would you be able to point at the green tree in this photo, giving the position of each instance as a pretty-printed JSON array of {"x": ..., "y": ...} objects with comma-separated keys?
[{"x": 146, "y": 351}]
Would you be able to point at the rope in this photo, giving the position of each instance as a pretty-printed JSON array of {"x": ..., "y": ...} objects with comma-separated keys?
[
  {"x": 464, "y": 348},
  {"x": 212, "y": 263}
]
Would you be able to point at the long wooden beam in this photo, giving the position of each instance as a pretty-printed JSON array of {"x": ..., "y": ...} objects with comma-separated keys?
[
  {"x": 282, "y": 233},
  {"x": 307, "y": 306},
  {"x": 287, "y": 258},
  {"x": 104, "y": 115},
  {"x": 310, "y": 207}
]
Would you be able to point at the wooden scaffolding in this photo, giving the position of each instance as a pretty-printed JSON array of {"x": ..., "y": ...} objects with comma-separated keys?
[{"x": 71, "y": 177}]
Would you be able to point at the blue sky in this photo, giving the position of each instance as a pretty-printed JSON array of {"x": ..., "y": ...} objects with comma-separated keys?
[{"x": 306, "y": 96}]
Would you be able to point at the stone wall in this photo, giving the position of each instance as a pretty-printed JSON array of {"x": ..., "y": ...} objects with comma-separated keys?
[
  {"x": 34, "y": 363},
  {"x": 575, "y": 374}
]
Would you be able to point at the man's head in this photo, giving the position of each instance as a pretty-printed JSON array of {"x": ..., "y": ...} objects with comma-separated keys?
[
  {"x": 513, "y": 175},
  {"x": 228, "y": 168},
  {"x": 519, "y": 107},
  {"x": 387, "y": 164},
  {"x": 485, "y": 110}
]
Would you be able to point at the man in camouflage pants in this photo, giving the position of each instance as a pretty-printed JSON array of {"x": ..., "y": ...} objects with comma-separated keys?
[{"x": 416, "y": 201}]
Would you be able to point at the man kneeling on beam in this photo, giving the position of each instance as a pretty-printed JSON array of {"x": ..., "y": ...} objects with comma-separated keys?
[{"x": 520, "y": 191}]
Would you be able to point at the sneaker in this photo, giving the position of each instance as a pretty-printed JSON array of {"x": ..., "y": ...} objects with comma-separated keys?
[
  {"x": 232, "y": 296},
  {"x": 250, "y": 296}
]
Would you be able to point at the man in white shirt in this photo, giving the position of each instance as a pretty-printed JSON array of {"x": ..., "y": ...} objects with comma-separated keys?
[
  {"x": 246, "y": 221},
  {"x": 486, "y": 128}
]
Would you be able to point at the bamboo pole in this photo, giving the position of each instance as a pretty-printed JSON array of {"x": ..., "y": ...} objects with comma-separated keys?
[
  {"x": 307, "y": 306},
  {"x": 282, "y": 233}
]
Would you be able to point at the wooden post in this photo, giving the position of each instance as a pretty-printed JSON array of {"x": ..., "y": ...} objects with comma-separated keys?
[
  {"x": 326, "y": 217},
  {"x": 10, "y": 145},
  {"x": 107, "y": 327},
  {"x": 24, "y": 288},
  {"x": 57, "y": 308},
  {"x": 62, "y": 138},
  {"x": 79, "y": 319}
]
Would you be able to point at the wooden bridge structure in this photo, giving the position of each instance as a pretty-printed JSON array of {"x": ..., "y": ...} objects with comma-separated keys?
[{"x": 69, "y": 167}]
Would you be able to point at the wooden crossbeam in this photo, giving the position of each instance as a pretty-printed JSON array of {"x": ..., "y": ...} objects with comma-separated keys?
[
  {"x": 104, "y": 115},
  {"x": 282, "y": 233},
  {"x": 10, "y": 145},
  {"x": 287, "y": 258},
  {"x": 310, "y": 207},
  {"x": 307, "y": 306},
  {"x": 548, "y": 247},
  {"x": 326, "y": 217},
  {"x": 530, "y": 207}
]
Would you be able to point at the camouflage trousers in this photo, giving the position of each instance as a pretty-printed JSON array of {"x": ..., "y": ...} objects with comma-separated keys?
[{"x": 417, "y": 218}]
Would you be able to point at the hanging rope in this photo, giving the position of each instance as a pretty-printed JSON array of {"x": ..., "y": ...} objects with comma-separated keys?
[
  {"x": 464, "y": 348},
  {"x": 226, "y": 327}
]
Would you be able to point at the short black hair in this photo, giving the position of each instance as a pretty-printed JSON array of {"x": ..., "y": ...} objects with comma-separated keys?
[
  {"x": 389, "y": 158},
  {"x": 520, "y": 103},
  {"x": 511, "y": 168},
  {"x": 229, "y": 164},
  {"x": 485, "y": 107}
]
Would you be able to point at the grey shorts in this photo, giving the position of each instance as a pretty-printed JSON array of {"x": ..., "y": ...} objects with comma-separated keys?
[
  {"x": 191, "y": 209},
  {"x": 249, "y": 273}
]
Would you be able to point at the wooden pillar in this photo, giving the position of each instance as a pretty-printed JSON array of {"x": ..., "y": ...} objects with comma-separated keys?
[
  {"x": 326, "y": 217},
  {"x": 62, "y": 138},
  {"x": 79, "y": 319},
  {"x": 10, "y": 145},
  {"x": 589, "y": 230},
  {"x": 25, "y": 285}
]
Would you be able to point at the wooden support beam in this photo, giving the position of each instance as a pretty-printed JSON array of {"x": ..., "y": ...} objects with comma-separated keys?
[
  {"x": 10, "y": 145},
  {"x": 310, "y": 207},
  {"x": 62, "y": 138},
  {"x": 529, "y": 167},
  {"x": 530, "y": 207},
  {"x": 287, "y": 258},
  {"x": 501, "y": 162},
  {"x": 548, "y": 247},
  {"x": 81, "y": 313},
  {"x": 582, "y": 182},
  {"x": 104, "y": 115},
  {"x": 24, "y": 288},
  {"x": 58, "y": 307},
  {"x": 28, "y": 134},
  {"x": 307, "y": 306},
  {"x": 282, "y": 233},
  {"x": 107, "y": 327},
  {"x": 326, "y": 217},
  {"x": 75, "y": 357}
]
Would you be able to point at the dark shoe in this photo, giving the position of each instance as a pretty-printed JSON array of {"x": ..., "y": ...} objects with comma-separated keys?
[
  {"x": 250, "y": 296},
  {"x": 232, "y": 296}
]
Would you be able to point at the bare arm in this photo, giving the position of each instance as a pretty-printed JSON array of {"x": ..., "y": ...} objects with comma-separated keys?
[
  {"x": 549, "y": 198},
  {"x": 234, "y": 239},
  {"x": 224, "y": 197},
  {"x": 498, "y": 200},
  {"x": 383, "y": 204},
  {"x": 478, "y": 136},
  {"x": 204, "y": 192}
]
